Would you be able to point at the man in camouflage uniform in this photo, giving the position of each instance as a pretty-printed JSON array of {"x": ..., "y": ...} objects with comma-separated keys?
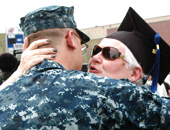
[{"x": 53, "y": 96}]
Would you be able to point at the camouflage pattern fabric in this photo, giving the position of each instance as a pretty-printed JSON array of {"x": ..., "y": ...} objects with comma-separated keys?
[
  {"x": 49, "y": 97},
  {"x": 50, "y": 17}
]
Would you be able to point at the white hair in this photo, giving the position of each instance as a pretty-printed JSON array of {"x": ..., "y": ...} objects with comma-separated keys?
[{"x": 133, "y": 63}]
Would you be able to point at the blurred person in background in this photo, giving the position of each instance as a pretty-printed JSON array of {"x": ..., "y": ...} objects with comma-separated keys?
[{"x": 8, "y": 64}]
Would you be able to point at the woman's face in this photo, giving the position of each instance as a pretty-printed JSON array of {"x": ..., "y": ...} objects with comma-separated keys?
[{"x": 110, "y": 68}]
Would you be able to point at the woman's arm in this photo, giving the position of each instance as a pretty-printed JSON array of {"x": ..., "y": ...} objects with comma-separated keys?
[{"x": 31, "y": 56}]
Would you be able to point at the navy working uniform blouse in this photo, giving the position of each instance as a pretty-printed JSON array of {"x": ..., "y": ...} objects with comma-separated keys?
[{"x": 50, "y": 97}]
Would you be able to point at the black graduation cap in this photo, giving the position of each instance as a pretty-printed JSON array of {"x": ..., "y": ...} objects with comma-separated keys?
[{"x": 139, "y": 37}]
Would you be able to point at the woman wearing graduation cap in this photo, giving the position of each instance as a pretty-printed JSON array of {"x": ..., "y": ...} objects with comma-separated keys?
[
  {"x": 149, "y": 49},
  {"x": 148, "y": 55}
]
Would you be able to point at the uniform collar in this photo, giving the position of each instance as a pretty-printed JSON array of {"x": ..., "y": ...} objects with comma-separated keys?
[{"x": 47, "y": 64}]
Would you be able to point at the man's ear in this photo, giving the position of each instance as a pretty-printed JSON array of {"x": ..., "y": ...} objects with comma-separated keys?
[
  {"x": 26, "y": 44},
  {"x": 69, "y": 39},
  {"x": 136, "y": 74}
]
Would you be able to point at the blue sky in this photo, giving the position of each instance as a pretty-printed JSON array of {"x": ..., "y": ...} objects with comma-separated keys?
[{"x": 88, "y": 13}]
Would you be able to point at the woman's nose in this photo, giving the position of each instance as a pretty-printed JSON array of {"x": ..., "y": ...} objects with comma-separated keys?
[{"x": 97, "y": 58}]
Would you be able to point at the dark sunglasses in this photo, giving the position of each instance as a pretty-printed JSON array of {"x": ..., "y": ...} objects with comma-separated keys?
[{"x": 110, "y": 53}]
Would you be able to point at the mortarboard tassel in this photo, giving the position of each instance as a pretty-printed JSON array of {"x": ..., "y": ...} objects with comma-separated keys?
[{"x": 155, "y": 73}]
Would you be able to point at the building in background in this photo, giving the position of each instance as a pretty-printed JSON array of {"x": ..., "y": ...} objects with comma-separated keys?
[{"x": 12, "y": 41}]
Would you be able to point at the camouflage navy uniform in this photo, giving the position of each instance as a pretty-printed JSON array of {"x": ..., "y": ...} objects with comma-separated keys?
[{"x": 51, "y": 97}]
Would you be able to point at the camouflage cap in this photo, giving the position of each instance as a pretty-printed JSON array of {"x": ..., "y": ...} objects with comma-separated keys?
[{"x": 50, "y": 17}]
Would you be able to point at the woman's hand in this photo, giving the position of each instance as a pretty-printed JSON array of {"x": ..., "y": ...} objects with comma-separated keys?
[{"x": 31, "y": 56}]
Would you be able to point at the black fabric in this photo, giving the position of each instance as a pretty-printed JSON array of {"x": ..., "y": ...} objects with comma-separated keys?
[{"x": 8, "y": 62}]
